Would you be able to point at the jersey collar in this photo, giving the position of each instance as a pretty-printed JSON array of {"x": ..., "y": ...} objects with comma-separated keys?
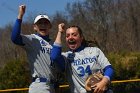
[
  {"x": 78, "y": 49},
  {"x": 44, "y": 37}
]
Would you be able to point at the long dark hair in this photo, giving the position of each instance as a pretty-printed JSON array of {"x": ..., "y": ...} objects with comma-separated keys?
[{"x": 86, "y": 43}]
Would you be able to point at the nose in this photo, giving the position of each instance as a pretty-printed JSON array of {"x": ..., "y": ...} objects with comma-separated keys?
[
  {"x": 70, "y": 37},
  {"x": 42, "y": 25}
]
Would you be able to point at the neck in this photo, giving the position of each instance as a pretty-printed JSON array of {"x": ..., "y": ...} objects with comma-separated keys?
[
  {"x": 78, "y": 49},
  {"x": 46, "y": 37}
]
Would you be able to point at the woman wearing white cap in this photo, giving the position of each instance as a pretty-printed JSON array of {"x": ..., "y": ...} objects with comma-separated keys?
[{"x": 37, "y": 47}]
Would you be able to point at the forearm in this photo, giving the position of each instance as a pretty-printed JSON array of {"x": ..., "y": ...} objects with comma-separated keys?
[
  {"x": 57, "y": 57},
  {"x": 59, "y": 34},
  {"x": 58, "y": 38},
  {"x": 108, "y": 72},
  {"x": 15, "y": 36},
  {"x": 20, "y": 16},
  {"x": 56, "y": 51},
  {"x": 57, "y": 48}
]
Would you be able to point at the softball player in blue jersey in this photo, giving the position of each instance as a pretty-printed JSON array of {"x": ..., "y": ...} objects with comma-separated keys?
[
  {"x": 37, "y": 47},
  {"x": 81, "y": 61}
]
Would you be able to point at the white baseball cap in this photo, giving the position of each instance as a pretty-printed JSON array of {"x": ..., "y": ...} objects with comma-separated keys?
[{"x": 40, "y": 17}]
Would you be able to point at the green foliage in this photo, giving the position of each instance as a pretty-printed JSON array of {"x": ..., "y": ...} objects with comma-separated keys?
[
  {"x": 14, "y": 75},
  {"x": 126, "y": 66}
]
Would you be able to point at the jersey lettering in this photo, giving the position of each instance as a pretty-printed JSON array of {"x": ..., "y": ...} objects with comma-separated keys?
[
  {"x": 45, "y": 47},
  {"x": 84, "y": 61},
  {"x": 82, "y": 71},
  {"x": 45, "y": 50}
]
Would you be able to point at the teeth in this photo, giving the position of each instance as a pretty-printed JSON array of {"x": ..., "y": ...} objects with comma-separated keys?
[{"x": 71, "y": 42}]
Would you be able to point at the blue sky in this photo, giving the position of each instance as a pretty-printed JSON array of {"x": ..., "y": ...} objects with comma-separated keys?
[{"x": 9, "y": 8}]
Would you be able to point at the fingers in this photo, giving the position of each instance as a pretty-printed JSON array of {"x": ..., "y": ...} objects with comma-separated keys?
[
  {"x": 98, "y": 89},
  {"x": 21, "y": 11},
  {"x": 61, "y": 27},
  {"x": 62, "y": 24},
  {"x": 93, "y": 86},
  {"x": 22, "y": 8},
  {"x": 88, "y": 88}
]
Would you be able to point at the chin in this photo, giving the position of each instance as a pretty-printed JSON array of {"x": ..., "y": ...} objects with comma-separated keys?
[
  {"x": 72, "y": 47},
  {"x": 43, "y": 34}
]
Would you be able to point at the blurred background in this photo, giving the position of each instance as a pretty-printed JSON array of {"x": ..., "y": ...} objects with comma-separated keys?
[{"x": 113, "y": 24}]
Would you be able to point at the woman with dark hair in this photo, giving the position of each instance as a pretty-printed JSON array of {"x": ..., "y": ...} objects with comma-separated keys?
[{"x": 81, "y": 61}]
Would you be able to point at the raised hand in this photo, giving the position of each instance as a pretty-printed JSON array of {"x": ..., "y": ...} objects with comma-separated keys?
[
  {"x": 61, "y": 27},
  {"x": 22, "y": 9}
]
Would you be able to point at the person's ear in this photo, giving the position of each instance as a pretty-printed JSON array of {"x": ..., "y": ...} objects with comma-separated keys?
[{"x": 34, "y": 27}]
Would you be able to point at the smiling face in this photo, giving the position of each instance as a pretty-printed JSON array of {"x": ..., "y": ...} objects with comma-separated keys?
[
  {"x": 42, "y": 27},
  {"x": 73, "y": 38}
]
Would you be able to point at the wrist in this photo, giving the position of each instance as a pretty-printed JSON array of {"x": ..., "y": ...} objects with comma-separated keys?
[
  {"x": 105, "y": 81},
  {"x": 60, "y": 31},
  {"x": 107, "y": 77},
  {"x": 57, "y": 44},
  {"x": 20, "y": 16}
]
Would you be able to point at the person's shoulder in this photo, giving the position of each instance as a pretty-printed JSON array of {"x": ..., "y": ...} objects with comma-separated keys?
[
  {"x": 28, "y": 37},
  {"x": 91, "y": 48}
]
